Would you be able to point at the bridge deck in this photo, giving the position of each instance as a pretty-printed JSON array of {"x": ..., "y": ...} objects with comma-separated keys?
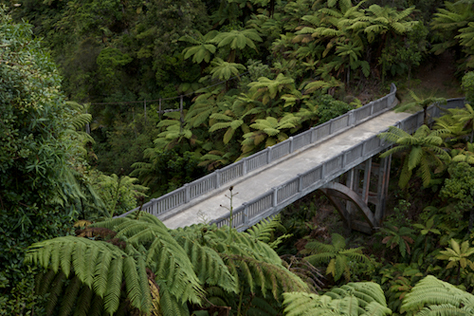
[{"x": 208, "y": 207}]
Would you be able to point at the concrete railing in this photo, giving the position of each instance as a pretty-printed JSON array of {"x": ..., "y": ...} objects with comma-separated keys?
[
  {"x": 271, "y": 202},
  {"x": 221, "y": 177}
]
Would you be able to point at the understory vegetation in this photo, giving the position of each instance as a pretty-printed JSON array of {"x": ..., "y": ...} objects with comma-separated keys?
[{"x": 106, "y": 104}]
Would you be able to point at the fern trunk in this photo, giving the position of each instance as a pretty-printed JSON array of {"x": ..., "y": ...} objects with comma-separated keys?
[
  {"x": 458, "y": 274},
  {"x": 471, "y": 220}
]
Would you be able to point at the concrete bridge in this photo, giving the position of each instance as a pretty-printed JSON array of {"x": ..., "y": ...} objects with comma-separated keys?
[{"x": 341, "y": 150}]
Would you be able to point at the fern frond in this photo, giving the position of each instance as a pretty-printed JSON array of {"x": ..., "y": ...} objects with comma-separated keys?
[
  {"x": 430, "y": 292},
  {"x": 320, "y": 257},
  {"x": 134, "y": 292},
  {"x": 262, "y": 307},
  {"x": 316, "y": 246},
  {"x": 54, "y": 292},
  {"x": 375, "y": 309},
  {"x": 101, "y": 270},
  {"x": 242, "y": 244},
  {"x": 170, "y": 262},
  {"x": 405, "y": 174},
  {"x": 367, "y": 292},
  {"x": 263, "y": 230},
  {"x": 84, "y": 302},
  {"x": 445, "y": 310},
  {"x": 266, "y": 276},
  {"x": 96, "y": 308},
  {"x": 338, "y": 241},
  {"x": 347, "y": 306},
  {"x": 96, "y": 263},
  {"x": 146, "y": 217},
  {"x": 299, "y": 304},
  {"x": 170, "y": 305},
  {"x": 43, "y": 281},
  {"x": 70, "y": 295},
  {"x": 208, "y": 265},
  {"x": 114, "y": 283}
]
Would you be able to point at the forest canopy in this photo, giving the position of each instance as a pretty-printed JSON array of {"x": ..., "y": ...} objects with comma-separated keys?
[{"x": 107, "y": 103}]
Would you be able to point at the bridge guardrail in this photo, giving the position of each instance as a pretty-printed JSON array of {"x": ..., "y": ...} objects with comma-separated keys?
[
  {"x": 199, "y": 187},
  {"x": 270, "y": 202}
]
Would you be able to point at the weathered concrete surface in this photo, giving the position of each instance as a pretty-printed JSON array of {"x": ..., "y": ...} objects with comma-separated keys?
[{"x": 208, "y": 207}]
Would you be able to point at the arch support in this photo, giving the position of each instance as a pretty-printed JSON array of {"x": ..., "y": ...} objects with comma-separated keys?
[
  {"x": 334, "y": 190},
  {"x": 353, "y": 198}
]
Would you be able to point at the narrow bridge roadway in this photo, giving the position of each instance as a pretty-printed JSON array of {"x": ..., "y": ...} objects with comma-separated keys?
[{"x": 207, "y": 207}]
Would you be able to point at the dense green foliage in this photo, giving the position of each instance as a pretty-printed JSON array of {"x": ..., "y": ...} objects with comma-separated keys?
[
  {"x": 44, "y": 183},
  {"x": 279, "y": 61},
  {"x": 165, "y": 271},
  {"x": 248, "y": 74},
  {"x": 38, "y": 188}
]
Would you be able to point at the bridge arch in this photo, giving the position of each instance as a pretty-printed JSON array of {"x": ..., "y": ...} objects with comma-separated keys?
[
  {"x": 335, "y": 191},
  {"x": 355, "y": 194}
]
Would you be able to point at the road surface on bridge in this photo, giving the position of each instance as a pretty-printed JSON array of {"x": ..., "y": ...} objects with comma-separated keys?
[{"x": 208, "y": 207}]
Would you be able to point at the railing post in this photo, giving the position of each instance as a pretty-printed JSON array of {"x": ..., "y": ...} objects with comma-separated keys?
[
  {"x": 402, "y": 125},
  {"x": 245, "y": 214},
  {"x": 269, "y": 155},
  {"x": 291, "y": 144},
  {"x": 244, "y": 166},
  {"x": 275, "y": 197},
  {"x": 351, "y": 119},
  {"x": 154, "y": 208},
  {"x": 371, "y": 108},
  {"x": 187, "y": 194},
  {"x": 344, "y": 158},
  {"x": 300, "y": 182},
  {"x": 330, "y": 127},
  {"x": 218, "y": 178},
  {"x": 311, "y": 137}
]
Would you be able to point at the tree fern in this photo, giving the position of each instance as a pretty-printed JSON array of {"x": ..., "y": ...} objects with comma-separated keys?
[
  {"x": 362, "y": 298},
  {"x": 145, "y": 267},
  {"x": 422, "y": 150},
  {"x": 431, "y": 296},
  {"x": 263, "y": 231},
  {"x": 100, "y": 269},
  {"x": 208, "y": 265},
  {"x": 335, "y": 255},
  {"x": 165, "y": 256}
]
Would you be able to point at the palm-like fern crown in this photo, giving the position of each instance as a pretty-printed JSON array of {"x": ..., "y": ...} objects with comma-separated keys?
[
  {"x": 450, "y": 122},
  {"x": 422, "y": 150},
  {"x": 457, "y": 255},
  {"x": 336, "y": 255},
  {"x": 146, "y": 256},
  {"x": 448, "y": 23},
  {"x": 203, "y": 49}
]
